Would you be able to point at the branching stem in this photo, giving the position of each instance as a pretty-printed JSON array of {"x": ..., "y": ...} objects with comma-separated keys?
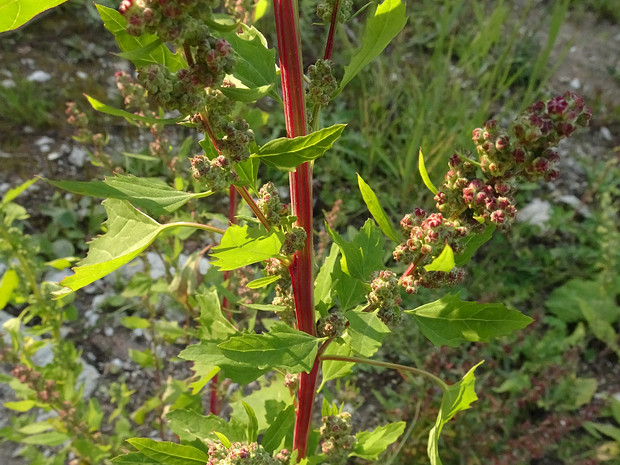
[{"x": 393, "y": 366}]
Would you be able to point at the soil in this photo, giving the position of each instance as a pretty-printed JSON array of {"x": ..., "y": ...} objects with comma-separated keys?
[{"x": 75, "y": 55}]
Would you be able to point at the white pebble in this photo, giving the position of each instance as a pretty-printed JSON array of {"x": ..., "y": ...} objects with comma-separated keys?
[{"x": 39, "y": 76}]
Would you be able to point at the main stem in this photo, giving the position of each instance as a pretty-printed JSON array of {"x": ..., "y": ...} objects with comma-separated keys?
[{"x": 289, "y": 48}]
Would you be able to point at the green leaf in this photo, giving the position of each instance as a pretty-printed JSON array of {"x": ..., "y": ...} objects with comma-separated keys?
[
  {"x": 606, "y": 429},
  {"x": 377, "y": 212},
  {"x": 152, "y": 194},
  {"x": 142, "y": 56},
  {"x": 247, "y": 171},
  {"x": 450, "y": 321},
  {"x": 580, "y": 299},
  {"x": 244, "y": 245},
  {"x": 266, "y": 402},
  {"x": 213, "y": 324},
  {"x": 134, "y": 322},
  {"x": 367, "y": 332},
  {"x": 281, "y": 426},
  {"x": 51, "y": 439},
  {"x": 141, "y": 156},
  {"x": 208, "y": 355},
  {"x": 281, "y": 348},
  {"x": 350, "y": 292},
  {"x": 252, "y": 430},
  {"x": 223, "y": 439},
  {"x": 364, "y": 254},
  {"x": 472, "y": 244},
  {"x": 371, "y": 443},
  {"x": 255, "y": 64},
  {"x": 14, "y": 13},
  {"x": 20, "y": 406},
  {"x": 444, "y": 261},
  {"x": 334, "y": 369},
  {"x": 130, "y": 117},
  {"x": 381, "y": 27},
  {"x": 143, "y": 358},
  {"x": 8, "y": 284},
  {"x": 135, "y": 458},
  {"x": 243, "y": 94},
  {"x": 422, "y": 168},
  {"x": 95, "y": 415},
  {"x": 129, "y": 232},
  {"x": 169, "y": 453},
  {"x": 288, "y": 153},
  {"x": 455, "y": 398},
  {"x": 262, "y": 282},
  {"x": 35, "y": 428},
  {"x": 12, "y": 194},
  {"x": 323, "y": 297},
  {"x": 190, "y": 425}
]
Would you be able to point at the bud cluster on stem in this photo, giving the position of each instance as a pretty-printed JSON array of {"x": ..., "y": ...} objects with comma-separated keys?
[{"x": 476, "y": 194}]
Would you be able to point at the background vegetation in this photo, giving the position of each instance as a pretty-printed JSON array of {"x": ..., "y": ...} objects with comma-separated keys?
[{"x": 551, "y": 392}]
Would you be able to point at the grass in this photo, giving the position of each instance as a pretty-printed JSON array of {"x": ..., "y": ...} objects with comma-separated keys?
[{"x": 450, "y": 75}]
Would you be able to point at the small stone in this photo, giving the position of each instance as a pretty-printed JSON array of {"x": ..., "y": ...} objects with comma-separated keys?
[
  {"x": 52, "y": 156},
  {"x": 81, "y": 74},
  {"x": 108, "y": 331},
  {"x": 605, "y": 133},
  {"x": 158, "y": 268},
  {"x": 89, "y": 377},
  {"x": 575, "y": 84},
  {"x": 7, "y": 83},
  {"x": 78, "y": 156},
  {"x": 203, "y": 266},
  {"x": 44, "y": 143},
  {"x": 39, "y": 76},
  {"x": 536, "y": 213}
]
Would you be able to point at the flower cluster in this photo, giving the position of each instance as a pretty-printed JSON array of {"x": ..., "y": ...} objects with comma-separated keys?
[
  {"x": 240, "y": 9},
  {"x": 234, "y": 144},
  {"x": 134, "y": 95},
  {"x": 45, "y": 390},
  {"x": 467, "y": 203},
  {"x": 426, "y": 237},
  {"x": 79, "y": 121},
  {"x": 386, "y": 297},
  {"x": 324, "y": 10},
  {"x": 135, "y": 99},
  {"x": 294, "y": 240},
  {"x": 215, "y": 174},
  {"x": 526, "y": 150},
  {"x": 184, "y": 90},
  {"x": 270, "y": 204},
  {"x": 284, "y": 291},
  {"x": 171, "y": 20},
  {"x": 337, "y": 440},
  {"x": 322, "y": 82},
  {"x": 291, "y": 381},
  {"x": 332, "y": 325},
  {"x": 241, "y": 454},
  {"x": 185, "y": 23}
]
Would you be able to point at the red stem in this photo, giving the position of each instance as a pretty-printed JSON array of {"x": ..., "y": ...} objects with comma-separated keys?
[
  {"x": 289, "y": 47},
  {"x": 329, "y": 47}
]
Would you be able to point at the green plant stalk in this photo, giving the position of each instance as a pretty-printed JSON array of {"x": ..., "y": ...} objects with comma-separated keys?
[
  {"x": 289, "y": 48},
  {"x": 214, "y": 404},
  {"x": 393, "y": 366}
]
